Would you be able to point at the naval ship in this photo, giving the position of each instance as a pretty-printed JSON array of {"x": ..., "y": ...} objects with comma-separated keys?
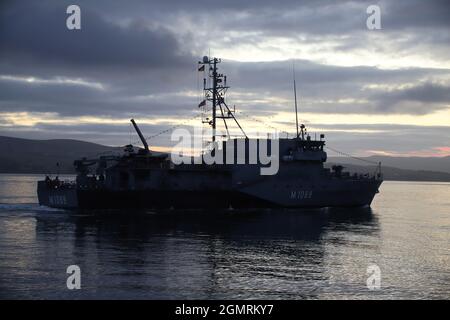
[{"x": 140, "y": 178}]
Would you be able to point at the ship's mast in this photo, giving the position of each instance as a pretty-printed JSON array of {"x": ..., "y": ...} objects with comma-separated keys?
[
  {"x": 214, "y": 99},
  {"x": 216, "y": 96}
]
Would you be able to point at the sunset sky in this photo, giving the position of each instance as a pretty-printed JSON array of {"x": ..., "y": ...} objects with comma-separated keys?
[{"x": 370, "y": 91}]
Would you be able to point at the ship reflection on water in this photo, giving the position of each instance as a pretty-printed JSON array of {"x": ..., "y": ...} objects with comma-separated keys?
[{"x": 261, "y": 254}]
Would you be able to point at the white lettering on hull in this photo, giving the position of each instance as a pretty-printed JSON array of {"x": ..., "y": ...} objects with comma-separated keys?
[{"x": 301, "y": 194}]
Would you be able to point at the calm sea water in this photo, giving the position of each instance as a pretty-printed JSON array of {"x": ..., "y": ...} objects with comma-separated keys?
[{"x": 281, "y": 254}]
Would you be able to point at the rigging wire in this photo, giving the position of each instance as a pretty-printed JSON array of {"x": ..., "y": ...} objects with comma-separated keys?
[
  {"x": 183, "y": 123},
  {"x": 260, "y": 121},
  {"x": 353, "y": 157}
]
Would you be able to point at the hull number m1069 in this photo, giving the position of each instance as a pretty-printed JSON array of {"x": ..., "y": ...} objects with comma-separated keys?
[{"x": 301, "y": 194}]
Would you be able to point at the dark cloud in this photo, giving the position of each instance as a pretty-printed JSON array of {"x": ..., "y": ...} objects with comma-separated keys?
[
  {"x": 321, "y": 88},
  {"x": 428, "y": 92},
  {"x": 284, "y": 17},
  {"x": 81, "y": 100},
  {"x": 34, "y": 35},
  {"x": 419, "y": 99},
  {"x": 416, "y": 14}
]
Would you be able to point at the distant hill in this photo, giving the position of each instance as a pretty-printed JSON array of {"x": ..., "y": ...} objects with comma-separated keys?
[
  {"x": 390, "y": 173},
  {"x": 407, "y": 163},
  {"x": 40, "y": 156}
]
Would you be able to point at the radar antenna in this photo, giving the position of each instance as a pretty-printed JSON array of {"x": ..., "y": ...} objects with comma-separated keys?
[{"x": 215, "y": 94}]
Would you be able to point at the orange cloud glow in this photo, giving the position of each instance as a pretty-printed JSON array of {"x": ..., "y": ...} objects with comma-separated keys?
[{"x": 441, "y": 151}]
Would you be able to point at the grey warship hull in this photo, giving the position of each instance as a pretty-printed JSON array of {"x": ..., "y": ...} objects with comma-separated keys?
[{"x": 354, "y": 195}]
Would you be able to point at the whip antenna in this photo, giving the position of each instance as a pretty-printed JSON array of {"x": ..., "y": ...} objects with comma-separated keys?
[{"x": 295, "y": 98}]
